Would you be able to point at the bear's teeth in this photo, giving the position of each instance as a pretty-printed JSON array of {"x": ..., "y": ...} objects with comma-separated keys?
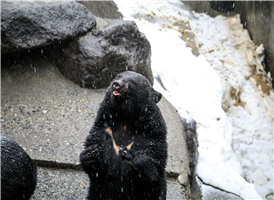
[{"x": 116, "y": 93}]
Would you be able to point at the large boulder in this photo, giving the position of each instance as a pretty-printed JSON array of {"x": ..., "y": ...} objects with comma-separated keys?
[
  {"x": 93, "y": 60},
  {"x": 29, "y": 25}
]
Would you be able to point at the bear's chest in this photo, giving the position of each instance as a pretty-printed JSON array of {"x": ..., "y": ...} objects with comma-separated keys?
[{"x": 125, "y": 135}]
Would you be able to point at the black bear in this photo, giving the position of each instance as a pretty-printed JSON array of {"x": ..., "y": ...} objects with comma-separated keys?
[
  {"x": 18, "y": 171},
  {"x": 126, "y": 150}
]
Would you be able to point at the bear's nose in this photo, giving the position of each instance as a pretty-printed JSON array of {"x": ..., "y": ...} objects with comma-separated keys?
[{"x": 117, "y": 85}]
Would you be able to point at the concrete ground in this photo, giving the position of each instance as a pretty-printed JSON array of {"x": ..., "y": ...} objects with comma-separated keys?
[{"x": 50, "y": 117}]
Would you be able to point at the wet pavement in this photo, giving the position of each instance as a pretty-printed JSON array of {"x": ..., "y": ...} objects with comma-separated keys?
[{"x": 50, "y": 117}]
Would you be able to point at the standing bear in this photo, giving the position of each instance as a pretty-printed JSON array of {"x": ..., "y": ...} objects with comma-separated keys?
[
  {"x": 18, "y": 172},
  {"x": 126, "y": 150}
]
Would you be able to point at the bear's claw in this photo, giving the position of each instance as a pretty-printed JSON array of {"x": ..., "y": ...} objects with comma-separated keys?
[{"x": 89, "y": 155}]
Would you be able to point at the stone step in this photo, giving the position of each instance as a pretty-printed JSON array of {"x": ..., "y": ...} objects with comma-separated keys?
[{"x": 73, "y": 184}]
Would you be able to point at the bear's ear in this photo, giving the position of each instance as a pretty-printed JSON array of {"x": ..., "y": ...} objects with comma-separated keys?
[{"x": 156, "y": 96}]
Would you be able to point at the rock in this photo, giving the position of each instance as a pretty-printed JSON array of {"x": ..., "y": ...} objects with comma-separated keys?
[
  {"x": 93, "y": 60},
  {"x": 26, "y": 25},
  {"x": 192, "y": 144},
  {"x": 183, "y": 179},
  {"x": 103, "y": 9}
]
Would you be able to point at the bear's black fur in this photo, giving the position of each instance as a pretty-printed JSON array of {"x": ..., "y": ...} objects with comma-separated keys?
[
  {"x": 18, "y": 171},
  {"x": 126, "y": 151}
]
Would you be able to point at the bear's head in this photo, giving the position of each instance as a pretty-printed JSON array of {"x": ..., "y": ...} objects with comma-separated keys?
[{"x": 131, "y": 92}]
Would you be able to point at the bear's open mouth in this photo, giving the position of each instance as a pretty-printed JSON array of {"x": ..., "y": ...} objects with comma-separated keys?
[{"x": 115, "y": 93}]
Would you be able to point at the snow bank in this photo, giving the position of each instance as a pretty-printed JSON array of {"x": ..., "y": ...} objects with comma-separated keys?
[
  {"x": 248, "y": 99},
  {"x": 218, "y": 89}
]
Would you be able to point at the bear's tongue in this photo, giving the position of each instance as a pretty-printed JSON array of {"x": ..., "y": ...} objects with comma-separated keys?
[{"x": 116, "y": 93}]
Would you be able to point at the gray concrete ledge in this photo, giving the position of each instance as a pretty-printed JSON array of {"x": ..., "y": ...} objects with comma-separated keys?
[{"x": 71, "y": 184}]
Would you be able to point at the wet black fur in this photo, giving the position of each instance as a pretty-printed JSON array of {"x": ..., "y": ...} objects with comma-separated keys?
[
  {"x": 18, "y": 172},
  {"x": 136, "y": 173}
]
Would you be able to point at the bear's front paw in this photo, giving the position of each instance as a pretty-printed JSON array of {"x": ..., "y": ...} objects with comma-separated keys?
[
  {"x": 127, "y": 156},
  {"x": 125, "y": 153},
  {"x": 89, "y": 155}
]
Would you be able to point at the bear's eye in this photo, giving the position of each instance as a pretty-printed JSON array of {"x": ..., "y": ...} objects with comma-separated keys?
[
  {"x": 133, "y": 83},
  {"x": 118, "y": 77}
]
